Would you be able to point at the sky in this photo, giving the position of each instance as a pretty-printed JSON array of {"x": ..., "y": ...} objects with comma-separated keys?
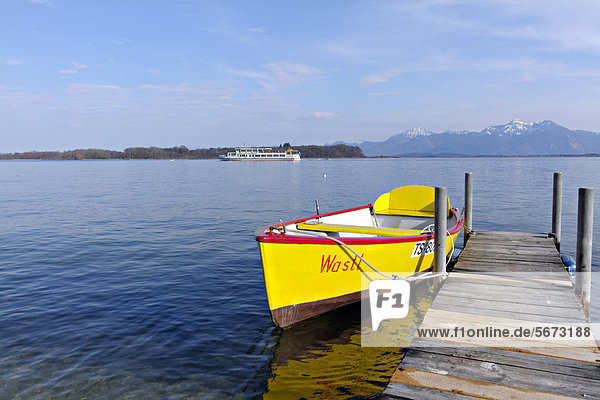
[{"x": 114, "y": 74}]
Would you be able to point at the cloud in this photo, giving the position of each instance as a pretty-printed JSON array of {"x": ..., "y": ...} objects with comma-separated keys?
[
  {"x": 11, "y": 61},
  {"x": 47, "y": 3},
  {"x": 279, "y": 75},
  {"x": 390, "y": 93},
  {"x": 96, "y": 92},
  {"x": 118, "y": 41},
  {"x": 286, "y": 73},
  {"x": 75, "y": 70},
  {"x": 350, "y": 52},
  {"x": 528, "y": 69},
  {"x": 562, "y": 25},
  {"x": 151, "y": 101},
  {"x": 222, "y": 19},
  {"x": 383, "y": 76},
  {"x": 326, "y": 115},
  {"x": 187, "y": 93},
  {"x": 554, "y": 24}
]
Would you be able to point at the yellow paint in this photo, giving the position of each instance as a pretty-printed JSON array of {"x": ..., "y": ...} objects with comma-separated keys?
[
  {"x": 301, "y": 273},
  {"x": 413, "y": 200}
]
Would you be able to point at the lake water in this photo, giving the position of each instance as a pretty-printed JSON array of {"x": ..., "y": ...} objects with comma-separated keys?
[{"x": 142, "y": 280}]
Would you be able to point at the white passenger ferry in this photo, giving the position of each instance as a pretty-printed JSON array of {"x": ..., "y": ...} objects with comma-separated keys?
[{"x": 261, "y": 154}]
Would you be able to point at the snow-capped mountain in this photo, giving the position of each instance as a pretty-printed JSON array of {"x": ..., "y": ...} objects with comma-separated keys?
[
  {"x": 412, "y": 133},
  {"x": 515, "y": 127},
  {"x": 515, "y": 138}
]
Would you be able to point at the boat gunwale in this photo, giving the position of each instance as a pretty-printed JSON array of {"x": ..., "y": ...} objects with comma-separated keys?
[{"x": 265, "y": 234}]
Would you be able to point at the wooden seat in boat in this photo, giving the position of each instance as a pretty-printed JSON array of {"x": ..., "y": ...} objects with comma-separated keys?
[{"x": 366, "y": 230}]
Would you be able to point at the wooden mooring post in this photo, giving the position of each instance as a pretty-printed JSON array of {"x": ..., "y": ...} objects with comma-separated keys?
[
  {"x": 468, "y": 216},
  {"x": 440, "y": 229},
  {"x": 557, "y": 208},
  {"x": 583, "y": 258}
]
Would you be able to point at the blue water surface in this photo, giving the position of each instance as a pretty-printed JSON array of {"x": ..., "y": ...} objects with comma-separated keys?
[{"x": 142, "y": 280}]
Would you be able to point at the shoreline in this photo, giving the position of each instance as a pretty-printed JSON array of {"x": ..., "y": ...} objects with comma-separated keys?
[{"x": 591, "y": 155}]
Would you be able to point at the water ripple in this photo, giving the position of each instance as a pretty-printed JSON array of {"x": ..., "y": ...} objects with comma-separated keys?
[{"x": 141, "y": 280}]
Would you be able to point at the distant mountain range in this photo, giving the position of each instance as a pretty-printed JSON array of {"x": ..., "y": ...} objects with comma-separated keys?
[{"x": 515, "y": 138}]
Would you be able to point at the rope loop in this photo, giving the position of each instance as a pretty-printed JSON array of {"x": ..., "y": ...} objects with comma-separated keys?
[{"x": 427, "y": 275}]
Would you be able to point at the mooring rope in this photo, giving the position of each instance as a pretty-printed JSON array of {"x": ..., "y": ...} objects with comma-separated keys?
[
  {"x": 426, "y": 275},
  {"x": 427, "y": 229}
]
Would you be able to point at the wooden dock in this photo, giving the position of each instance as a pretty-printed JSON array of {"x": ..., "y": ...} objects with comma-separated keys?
[{"x": 502, "y": 279}]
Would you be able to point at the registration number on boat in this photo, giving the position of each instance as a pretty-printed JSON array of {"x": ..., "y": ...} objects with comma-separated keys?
[{"x": 422, "y": 248}]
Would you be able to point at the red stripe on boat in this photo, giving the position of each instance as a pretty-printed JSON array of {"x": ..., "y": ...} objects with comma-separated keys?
[{"x": 263, "y": 234}]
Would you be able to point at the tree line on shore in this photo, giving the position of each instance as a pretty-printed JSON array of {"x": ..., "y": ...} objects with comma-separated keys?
[{"x": 178, "y": 152}]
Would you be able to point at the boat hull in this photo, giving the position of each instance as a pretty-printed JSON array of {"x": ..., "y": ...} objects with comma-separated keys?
[
  {"x": 303, "y": 280},
  {"x": 260, "y": 154},
  {"x": 224, "y": 158}
]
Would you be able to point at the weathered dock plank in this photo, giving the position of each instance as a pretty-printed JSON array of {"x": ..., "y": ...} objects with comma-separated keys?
[{"x": 502, "y": 280}]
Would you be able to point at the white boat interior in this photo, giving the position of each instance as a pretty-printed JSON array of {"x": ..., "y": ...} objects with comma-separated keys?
[{"x": 363, "y": 223}]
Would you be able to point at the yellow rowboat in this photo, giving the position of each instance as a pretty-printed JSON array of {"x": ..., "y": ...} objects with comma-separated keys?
[{"x": 315, "y": 264}]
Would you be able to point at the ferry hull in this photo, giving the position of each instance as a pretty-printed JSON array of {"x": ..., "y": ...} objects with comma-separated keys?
[
  {"x": 224, "y": 158},
  {"x": 260, "y": 154},
  {"x": 306, "y": 280}
]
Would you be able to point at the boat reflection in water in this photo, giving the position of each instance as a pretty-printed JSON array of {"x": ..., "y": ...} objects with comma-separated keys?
[{"x": 322, "y": 358}]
